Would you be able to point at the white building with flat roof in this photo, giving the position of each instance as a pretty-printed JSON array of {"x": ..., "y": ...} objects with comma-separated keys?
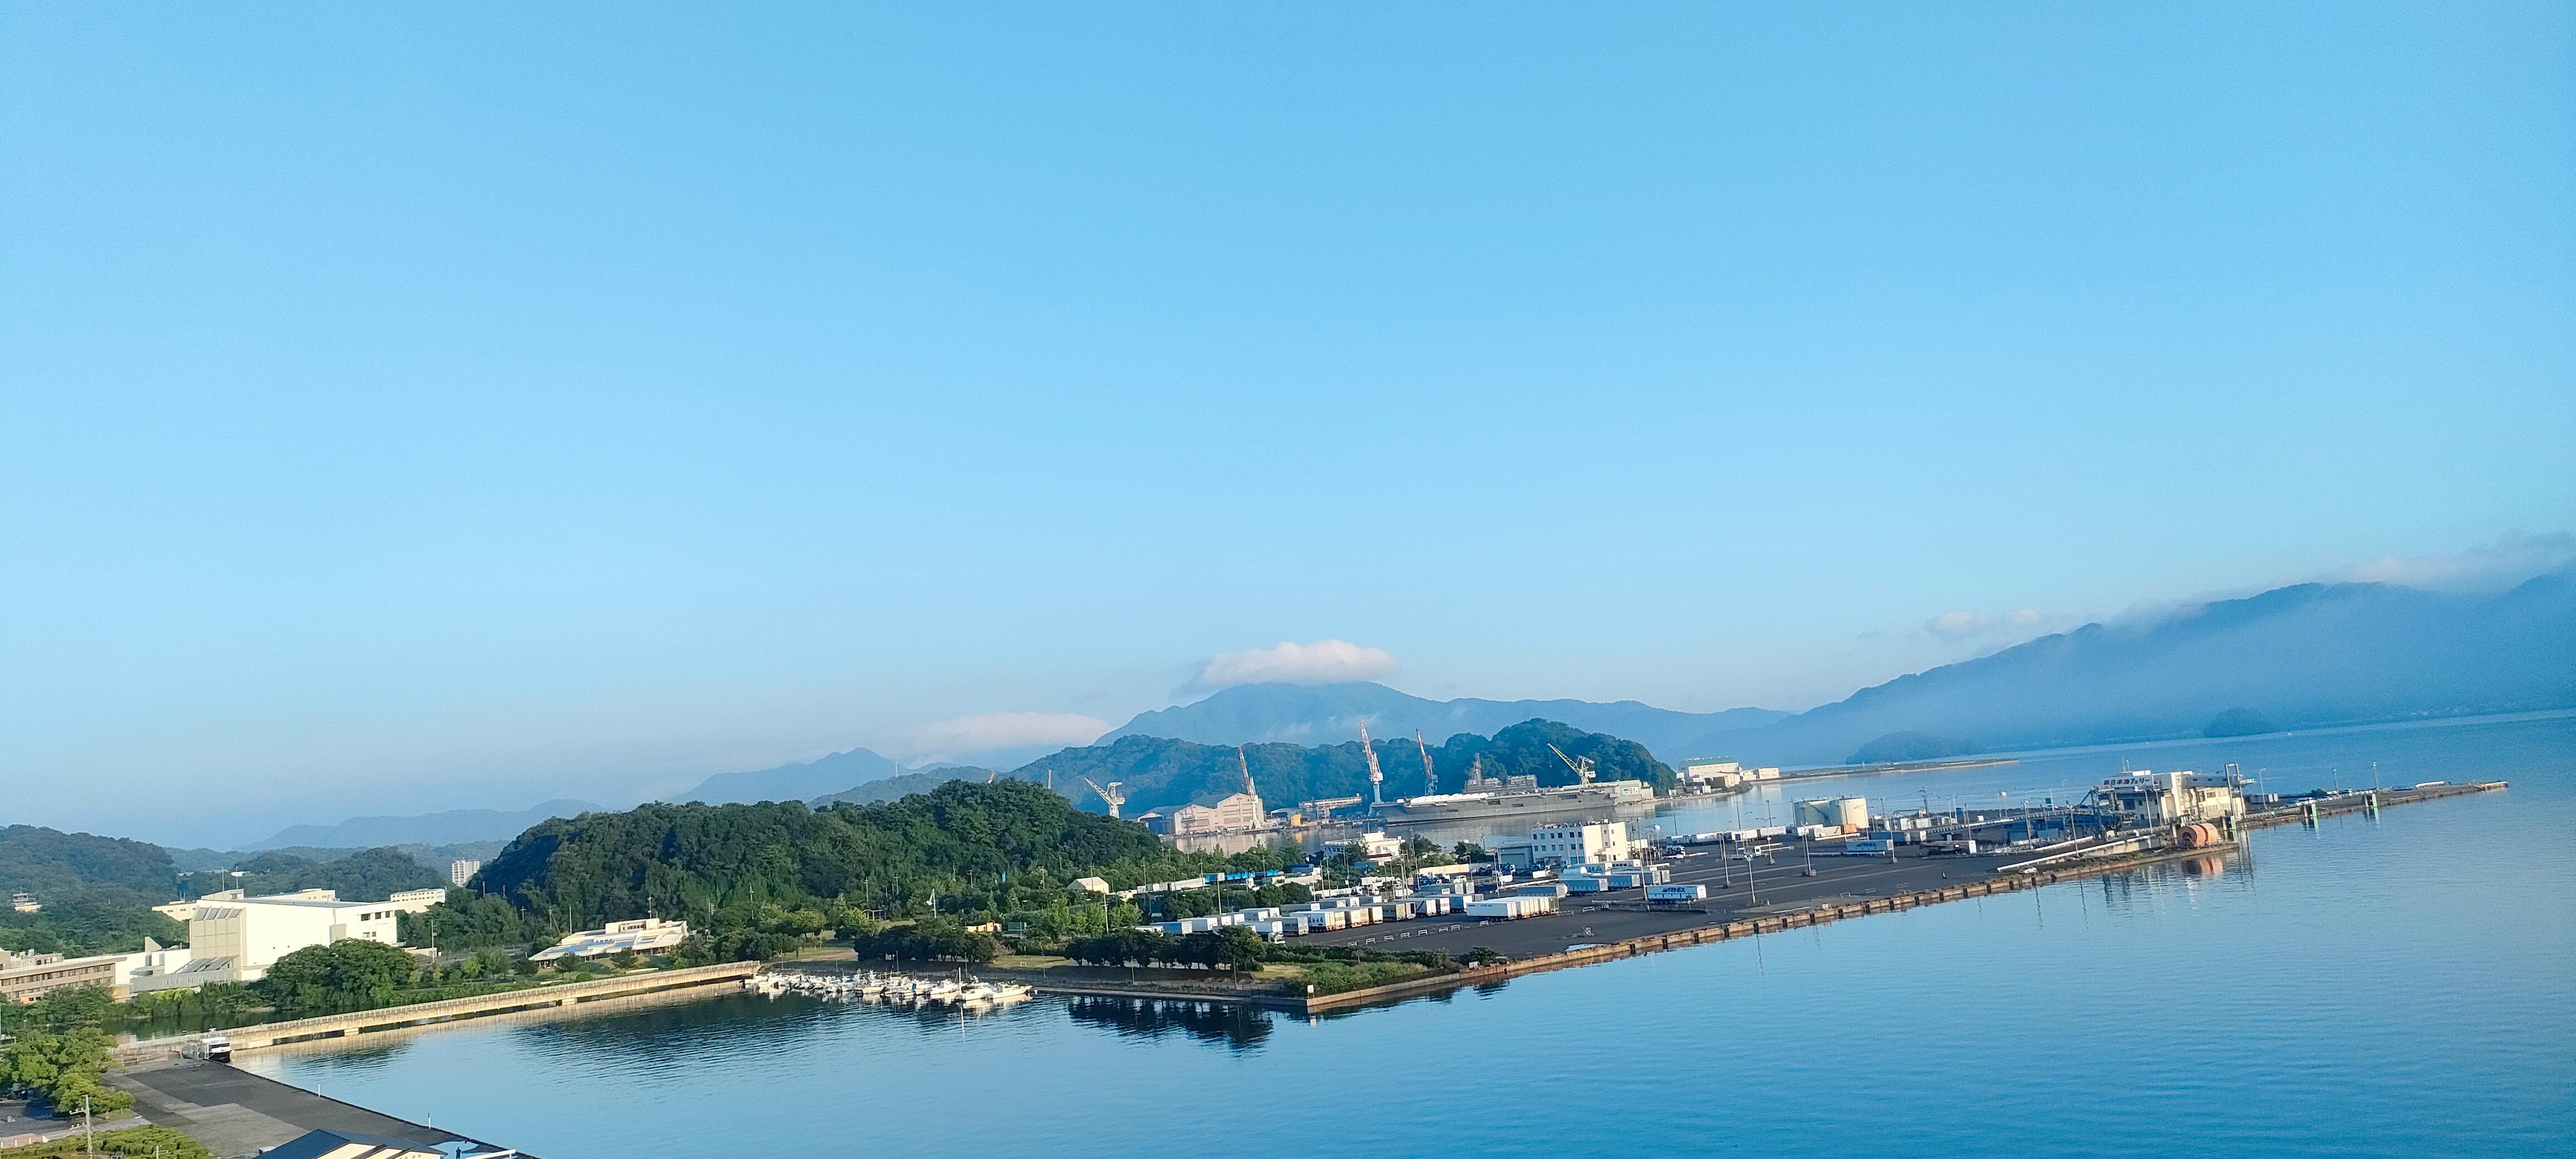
[
  {"x": 1570, "y": 843},
  {"x": 462, "y": 870},
  {"x": 252, "y": 933},
  {"x": 647, "y": 936}
]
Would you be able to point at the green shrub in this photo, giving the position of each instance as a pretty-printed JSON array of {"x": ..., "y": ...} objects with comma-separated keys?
[{"x": 160, "y": 1141}]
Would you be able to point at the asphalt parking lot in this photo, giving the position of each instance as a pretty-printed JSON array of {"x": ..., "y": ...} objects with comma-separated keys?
[{"x": 1778, "y": 884}]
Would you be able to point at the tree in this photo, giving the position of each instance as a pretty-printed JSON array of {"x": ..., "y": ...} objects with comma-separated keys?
[
  {"x": 64, "y": 1068},
  {"x": 355, "y": 974}
]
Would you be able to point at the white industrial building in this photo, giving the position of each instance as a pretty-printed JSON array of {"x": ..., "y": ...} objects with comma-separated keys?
[
  {"x": 1712, "y": 773},
  {"x": 1842, "y": 814},
  {"x": 2178, "y": 798},
  {"x": 1571, "y": 843},
  {"x": 236, "y": 939},
  {"x": 644, "y": 936},
  {"x": 462, "y": 870}
]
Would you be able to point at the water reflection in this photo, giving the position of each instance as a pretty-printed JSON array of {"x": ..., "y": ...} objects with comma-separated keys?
[{"x": 1237, "y": 1027}]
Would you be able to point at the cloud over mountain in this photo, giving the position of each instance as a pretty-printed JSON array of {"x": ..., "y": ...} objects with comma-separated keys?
[
  {"x": 1321, "y": 662},
  {"x": 987, "y": 732}
]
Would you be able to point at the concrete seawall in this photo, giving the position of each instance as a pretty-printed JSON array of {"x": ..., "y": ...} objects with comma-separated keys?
[
  {"x": 1748, "y": 927},
  {"x": 269, "y": 1034}
]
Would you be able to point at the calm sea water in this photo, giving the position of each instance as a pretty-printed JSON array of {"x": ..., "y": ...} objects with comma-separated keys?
[{"x": 2398, "y": 986}]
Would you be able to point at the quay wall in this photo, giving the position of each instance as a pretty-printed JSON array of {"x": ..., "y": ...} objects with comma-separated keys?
[
  {"x": 1797, "y": 919},
  {"x": 268, "y": 1034}
]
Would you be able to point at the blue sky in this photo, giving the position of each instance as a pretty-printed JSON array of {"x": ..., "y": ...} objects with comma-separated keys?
[{"x": 461, "y": 404}]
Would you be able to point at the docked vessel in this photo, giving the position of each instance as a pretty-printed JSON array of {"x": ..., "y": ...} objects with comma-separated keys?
[{"x": 1517, "y": 802}]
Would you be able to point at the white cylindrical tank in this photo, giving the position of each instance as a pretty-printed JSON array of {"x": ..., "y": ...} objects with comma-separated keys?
[{"x": 1851, "y": 811}]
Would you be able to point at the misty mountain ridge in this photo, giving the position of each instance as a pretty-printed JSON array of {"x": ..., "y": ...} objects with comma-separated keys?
[
  {"x": 797, "y": 781},
  {"x": 450, "y": 827},
  {"x": 2303, "y": 656},
  {"x": 1331, "y": 714}
]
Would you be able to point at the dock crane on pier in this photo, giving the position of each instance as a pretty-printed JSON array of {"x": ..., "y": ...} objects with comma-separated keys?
[
  {"x": 1430, "y": 781},
  {"x": 1377, "y": 780},
  {"x": 1582, "y": 766},
  {"x": 1109, "y": 794}
]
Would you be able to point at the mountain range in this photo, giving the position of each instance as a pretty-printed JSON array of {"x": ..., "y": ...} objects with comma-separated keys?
[
  {"x": 452, "y": 827},
  {"x": 2300, "y": 657},
  {"x": 798, "y": 781},
  {"x": 1331, "y": 714}
]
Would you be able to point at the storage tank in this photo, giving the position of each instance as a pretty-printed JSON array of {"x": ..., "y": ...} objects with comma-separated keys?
[{"x": 1850, "y": 812}]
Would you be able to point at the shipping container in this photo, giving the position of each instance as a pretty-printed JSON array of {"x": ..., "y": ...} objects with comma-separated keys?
[{"x": 1677, "y": 893}]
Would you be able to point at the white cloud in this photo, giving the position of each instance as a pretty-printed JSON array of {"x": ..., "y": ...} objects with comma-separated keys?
[
  {"x": 1969, "y": 625},
  {"x": 946, "y": 740},
  {"x": 2509, "y": 560},
  {"x": 1322, "y": 662}
]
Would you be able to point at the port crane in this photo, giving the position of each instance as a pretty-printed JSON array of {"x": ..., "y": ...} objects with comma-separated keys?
[
  {"x": 1109, "y": 794},
  {"x": 1430, "y": 783},
  {"x": 1582, "y": 766},
  {"x": 1377, "y": 780}
]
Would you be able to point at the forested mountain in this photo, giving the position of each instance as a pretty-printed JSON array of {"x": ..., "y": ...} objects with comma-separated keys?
[
  {"x": 969, "y": 845},
  {"x": 802, "y": 781},
  {"x": 97, "y": 892},
  {"x": 903, "y": 785},
  {"x": 1331, "y": 714},
  {"x": 2297, "y": 657},
  {"x": 366, "y": 875},
  {"x": 1160, "y": 772},
  {"x": 451, "y": 827},
  {"x": 51, "y": 863}
]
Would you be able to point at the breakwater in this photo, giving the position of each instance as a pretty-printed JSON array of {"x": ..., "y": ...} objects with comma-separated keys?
[
  {"x": 267, "y": 1034},
  {"x": 2291, "y": 813}
]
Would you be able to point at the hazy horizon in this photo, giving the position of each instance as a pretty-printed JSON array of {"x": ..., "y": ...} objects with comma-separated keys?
[{"x": 419, "y": 409}]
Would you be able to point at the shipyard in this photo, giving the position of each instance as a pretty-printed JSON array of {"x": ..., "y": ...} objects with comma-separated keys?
[{"x": 1594, "y": 882}]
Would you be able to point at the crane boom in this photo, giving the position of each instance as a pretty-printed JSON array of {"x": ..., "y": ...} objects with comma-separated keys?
[
  {"x": 1109, "y": 794},
  {"x": 1377, "y": 779},
  {"x": 1430, "y": 782},
  {"x": 1582, "y": 771}
]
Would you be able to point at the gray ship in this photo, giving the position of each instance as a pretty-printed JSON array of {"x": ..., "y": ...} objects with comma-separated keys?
[
  {"x": 1485, "y": 798},
  {"x": 1598, "y": 796}
]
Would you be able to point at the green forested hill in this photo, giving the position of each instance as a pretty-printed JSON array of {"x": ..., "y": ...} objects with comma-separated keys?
[
  {"x": 1157, "y": 772},
  {"x": 972, "y": 846},
  {"x": 50, "y": 863},
  {"x": 366, "y": 875}
]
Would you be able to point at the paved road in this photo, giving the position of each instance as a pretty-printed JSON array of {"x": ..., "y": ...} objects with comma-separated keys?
[
  {"x": 1779, "y": 885},
  {"x": 234, "y": 1112}
]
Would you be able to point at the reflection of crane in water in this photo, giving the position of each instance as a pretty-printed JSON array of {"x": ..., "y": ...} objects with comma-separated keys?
[
  {"x": 1109, "y": 794},
  {"x": 1582, "y": 766}
]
